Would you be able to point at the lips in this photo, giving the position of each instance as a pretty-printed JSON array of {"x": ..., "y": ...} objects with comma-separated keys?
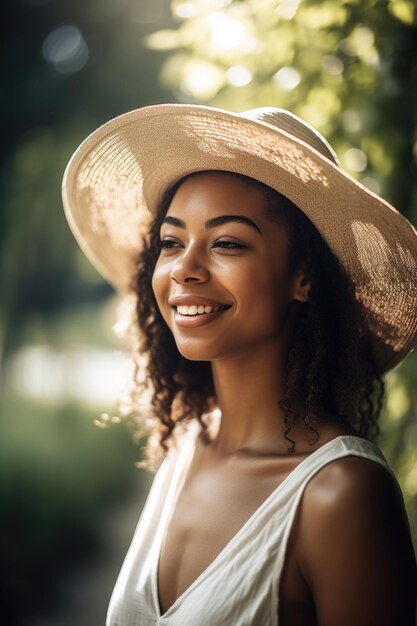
[
  {"x": 196, "y": 321},
  {"x": 201, "y": 319},
  {"x": 189, "y": 300}
]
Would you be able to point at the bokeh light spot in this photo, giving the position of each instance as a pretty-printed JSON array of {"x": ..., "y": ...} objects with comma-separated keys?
[
  {"x": 184, "y": 10},
  {"x": 238, "y": 76},
  {"x": 287, "y": 9},
  {"x": 351, "y": 121},
  {"x": 331, "y": 64},
  {"x": 163, "y": 40},
  {"x": 356, "y": 160},
  {"x": 402, "y": 10},
  {"x": 202, "y": 80},
  {"x": 287, "y": 78},
  {"x": 65, "y": 49},
  {"x": 228, "y": 33}
]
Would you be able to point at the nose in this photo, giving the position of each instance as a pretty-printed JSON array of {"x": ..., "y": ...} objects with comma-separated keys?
[{"x": 189, "y": 268}]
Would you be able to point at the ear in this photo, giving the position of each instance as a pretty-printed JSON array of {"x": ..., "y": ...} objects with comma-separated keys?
[{"x": 301, "y": 287}]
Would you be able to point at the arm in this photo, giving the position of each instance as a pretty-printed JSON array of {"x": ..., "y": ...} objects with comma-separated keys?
[{"x": 356, "y": 550}]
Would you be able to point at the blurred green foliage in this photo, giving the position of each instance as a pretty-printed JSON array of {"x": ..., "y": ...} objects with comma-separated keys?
[
  {"x": 49, "y": 107},
  {"x": 58, "y": 476}
]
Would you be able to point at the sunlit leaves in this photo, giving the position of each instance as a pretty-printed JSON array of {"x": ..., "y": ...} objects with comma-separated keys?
[
  {"x": 320, "y": 16},
  {"x": 185, "y": 9},
  {"x": 318, "y": 59},
  {"x": 403, "y": 10}
]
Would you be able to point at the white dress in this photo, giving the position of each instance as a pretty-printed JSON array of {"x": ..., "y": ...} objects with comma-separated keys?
[{"x": 240, "y": 587}]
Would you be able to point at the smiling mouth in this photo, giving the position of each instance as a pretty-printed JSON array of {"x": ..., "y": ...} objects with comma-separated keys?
[
  {"x": 195, "y": 310},
  {"x": 189, "y": 317}
]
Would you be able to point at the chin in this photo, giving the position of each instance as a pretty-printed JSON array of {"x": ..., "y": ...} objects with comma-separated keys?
[{"x": 194, "y": 352}]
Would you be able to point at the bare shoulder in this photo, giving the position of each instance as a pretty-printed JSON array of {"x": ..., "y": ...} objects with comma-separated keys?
[
  {"x": 355, "y": 549},
  {"x": 352, "y": 477}
]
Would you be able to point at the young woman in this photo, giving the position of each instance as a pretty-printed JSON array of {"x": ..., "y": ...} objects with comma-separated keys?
[{"x": 273, "y": 291}]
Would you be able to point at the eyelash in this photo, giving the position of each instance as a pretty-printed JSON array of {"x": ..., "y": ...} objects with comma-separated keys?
[{"x": 227, "y": 245}]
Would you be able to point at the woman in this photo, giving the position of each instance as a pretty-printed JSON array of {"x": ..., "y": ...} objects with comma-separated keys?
[{"x": 276, "y": 290}]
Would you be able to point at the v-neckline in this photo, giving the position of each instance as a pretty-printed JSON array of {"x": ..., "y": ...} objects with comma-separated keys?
[{"x": 179, "y": 483}]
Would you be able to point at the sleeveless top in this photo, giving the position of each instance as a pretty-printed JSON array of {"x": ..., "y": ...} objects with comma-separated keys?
[{"x": 240, "y": 587}]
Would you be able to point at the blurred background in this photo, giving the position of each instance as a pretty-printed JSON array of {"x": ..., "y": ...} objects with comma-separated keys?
[{"x": 70, "y": 494}]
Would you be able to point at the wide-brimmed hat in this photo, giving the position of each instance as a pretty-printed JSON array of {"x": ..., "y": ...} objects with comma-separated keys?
[{"x": 117, "y": 178}]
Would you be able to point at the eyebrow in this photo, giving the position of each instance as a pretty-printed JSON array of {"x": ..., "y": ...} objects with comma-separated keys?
[{"x": 215, "y": 221}]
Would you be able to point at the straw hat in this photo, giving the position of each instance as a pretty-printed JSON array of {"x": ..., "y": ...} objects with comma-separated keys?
[{"x": 117, "y": 177}]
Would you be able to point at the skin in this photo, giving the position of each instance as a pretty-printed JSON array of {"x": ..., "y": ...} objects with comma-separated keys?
[{"x": 350, "y": 558}]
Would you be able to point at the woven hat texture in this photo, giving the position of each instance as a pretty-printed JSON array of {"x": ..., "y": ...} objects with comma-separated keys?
[{"x": 116, "y": 179}]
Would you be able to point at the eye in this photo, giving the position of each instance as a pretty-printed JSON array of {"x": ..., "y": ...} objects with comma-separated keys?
[
  {"x": 228, "y": 245},
  {"x": 170, "y": 244},
  {"x": 167, "y": 244}
]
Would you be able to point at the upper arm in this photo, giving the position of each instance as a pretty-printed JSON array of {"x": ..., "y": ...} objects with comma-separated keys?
[{"x": 355, "y": 546}]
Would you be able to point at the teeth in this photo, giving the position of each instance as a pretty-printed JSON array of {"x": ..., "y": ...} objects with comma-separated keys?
[{"x": 197, "y": 310}]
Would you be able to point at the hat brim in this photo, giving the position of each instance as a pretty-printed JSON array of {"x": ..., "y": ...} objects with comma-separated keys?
[{"x": 116, "y": 179}]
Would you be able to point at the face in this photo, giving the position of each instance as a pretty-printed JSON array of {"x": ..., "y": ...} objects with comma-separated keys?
[{"x": 222, "y": 281}]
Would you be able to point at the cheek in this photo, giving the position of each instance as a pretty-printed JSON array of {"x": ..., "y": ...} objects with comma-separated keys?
[
  {"x": 264, "y": 298},
  {"x": 160, "y": 285}
]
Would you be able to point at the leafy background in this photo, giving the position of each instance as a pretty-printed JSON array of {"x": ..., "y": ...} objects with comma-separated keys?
[{"x": 69, "y": 491}]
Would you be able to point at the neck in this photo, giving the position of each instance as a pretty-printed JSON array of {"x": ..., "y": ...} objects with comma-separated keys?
[{"x": 248, "y": 390}]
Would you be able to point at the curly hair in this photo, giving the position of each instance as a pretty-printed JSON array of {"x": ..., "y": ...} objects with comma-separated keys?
[{"x": 330, "y": 364}]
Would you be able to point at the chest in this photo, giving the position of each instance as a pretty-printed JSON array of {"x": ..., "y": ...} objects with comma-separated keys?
[{"x": 211, "y": 508}]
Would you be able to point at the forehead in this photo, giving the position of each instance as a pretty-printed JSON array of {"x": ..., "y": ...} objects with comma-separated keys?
[{"x": 218, "y": 192}]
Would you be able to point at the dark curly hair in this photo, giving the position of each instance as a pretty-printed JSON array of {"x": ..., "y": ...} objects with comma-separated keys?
[{"x": 330, "y": 365}]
